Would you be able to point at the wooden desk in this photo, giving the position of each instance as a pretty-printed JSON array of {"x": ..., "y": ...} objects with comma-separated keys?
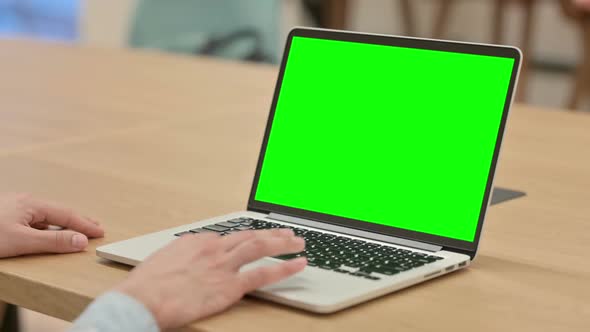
[{"x": 147, "y": 141}]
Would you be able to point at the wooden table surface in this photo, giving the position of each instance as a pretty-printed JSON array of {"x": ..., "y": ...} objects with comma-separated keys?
[{"x": 146, "y": 141}]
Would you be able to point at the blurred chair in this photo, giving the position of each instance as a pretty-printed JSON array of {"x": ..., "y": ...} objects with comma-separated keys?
[
  {"x": 407, "y": 13},
  {"x": 581, "y": 82},
  {"x": 440, "y": 21},
  {"x": 333, "y": 14},
  {"x": 247, "y": 30},
  {"x": 498, "y": 22}
]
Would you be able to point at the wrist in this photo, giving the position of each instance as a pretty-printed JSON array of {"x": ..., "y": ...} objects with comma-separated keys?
[
  {"x": 116, "y": 311},
  {"x": 143, "y": 297}
]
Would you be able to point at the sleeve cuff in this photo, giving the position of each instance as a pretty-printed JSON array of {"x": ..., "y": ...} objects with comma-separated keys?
[{"x": 115, "y": 311}]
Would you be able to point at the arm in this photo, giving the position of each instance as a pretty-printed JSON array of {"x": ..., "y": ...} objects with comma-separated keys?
[
  {"x": 24, "y": 227},
  {"x": 193, "y": 277},
  {"x": 115, "y": 311}
]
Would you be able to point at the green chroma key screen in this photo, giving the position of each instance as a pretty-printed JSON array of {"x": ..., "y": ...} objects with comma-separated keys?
[{"x": 389, "y": 135}]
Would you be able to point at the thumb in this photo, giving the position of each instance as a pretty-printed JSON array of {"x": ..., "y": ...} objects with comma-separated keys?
[{"x": 56, "y": 242}]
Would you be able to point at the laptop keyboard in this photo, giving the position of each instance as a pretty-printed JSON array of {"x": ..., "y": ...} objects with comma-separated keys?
[{"x": 332, "y": 252}]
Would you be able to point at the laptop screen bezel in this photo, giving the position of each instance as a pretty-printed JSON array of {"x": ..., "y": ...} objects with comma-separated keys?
[{"x": 426, "y": 44}]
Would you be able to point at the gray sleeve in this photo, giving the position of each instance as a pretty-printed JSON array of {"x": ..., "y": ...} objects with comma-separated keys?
[{"x": 114, "y": 311}]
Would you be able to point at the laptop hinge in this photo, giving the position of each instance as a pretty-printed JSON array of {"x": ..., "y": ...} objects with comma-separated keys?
[{"x": 355, "y": 232}]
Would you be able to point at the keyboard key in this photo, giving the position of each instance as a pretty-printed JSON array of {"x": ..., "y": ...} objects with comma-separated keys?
[
  {"x": 182, "y": 233},
  {"x": 372, "y": 277},
  {"x": 284, "y": 257},
  {"x": 216, "y": 228},
  {"x": 351, "y": 264},
  {"x": 199, "y": 230},
  {"x": 358, "y": 274},
  {"x": 401, "y": 268},
  {"x": 226, "y": 224}
]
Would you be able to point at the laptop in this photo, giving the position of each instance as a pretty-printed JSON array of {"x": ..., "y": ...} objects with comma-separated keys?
[{"x": 380, "y": 151}]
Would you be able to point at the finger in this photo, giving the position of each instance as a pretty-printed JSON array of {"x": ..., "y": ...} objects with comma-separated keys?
[
  {"x": 59, "y": 216},
  {"x": 260, "y": 277},
  {"x": 233, "y": 240},
  {"x": 259, "y": 247},
  {"x": 66, "y": 241},
  {"x": 92, "y": 220},
  {"x": 40, "y": 225},
  {"x": 189, "y": 242}
]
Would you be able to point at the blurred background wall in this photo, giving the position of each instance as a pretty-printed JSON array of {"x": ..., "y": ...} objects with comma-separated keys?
[
  {"x": 554, "y": 48},
  {"x": 471, "y": 20}
]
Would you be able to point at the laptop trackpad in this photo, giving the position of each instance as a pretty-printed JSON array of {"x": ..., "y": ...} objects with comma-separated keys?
[
  {"x": 312, "y": 286},
  {"x": 297, "y": 282}
]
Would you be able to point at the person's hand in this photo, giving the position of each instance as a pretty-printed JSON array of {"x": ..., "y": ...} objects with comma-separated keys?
[
  {"x": 24, "y": 223},
  {"x": 198, "y": 275}
]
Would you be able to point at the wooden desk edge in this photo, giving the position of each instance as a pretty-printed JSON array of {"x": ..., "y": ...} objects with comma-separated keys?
[{"x": 48, "y": 300}]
